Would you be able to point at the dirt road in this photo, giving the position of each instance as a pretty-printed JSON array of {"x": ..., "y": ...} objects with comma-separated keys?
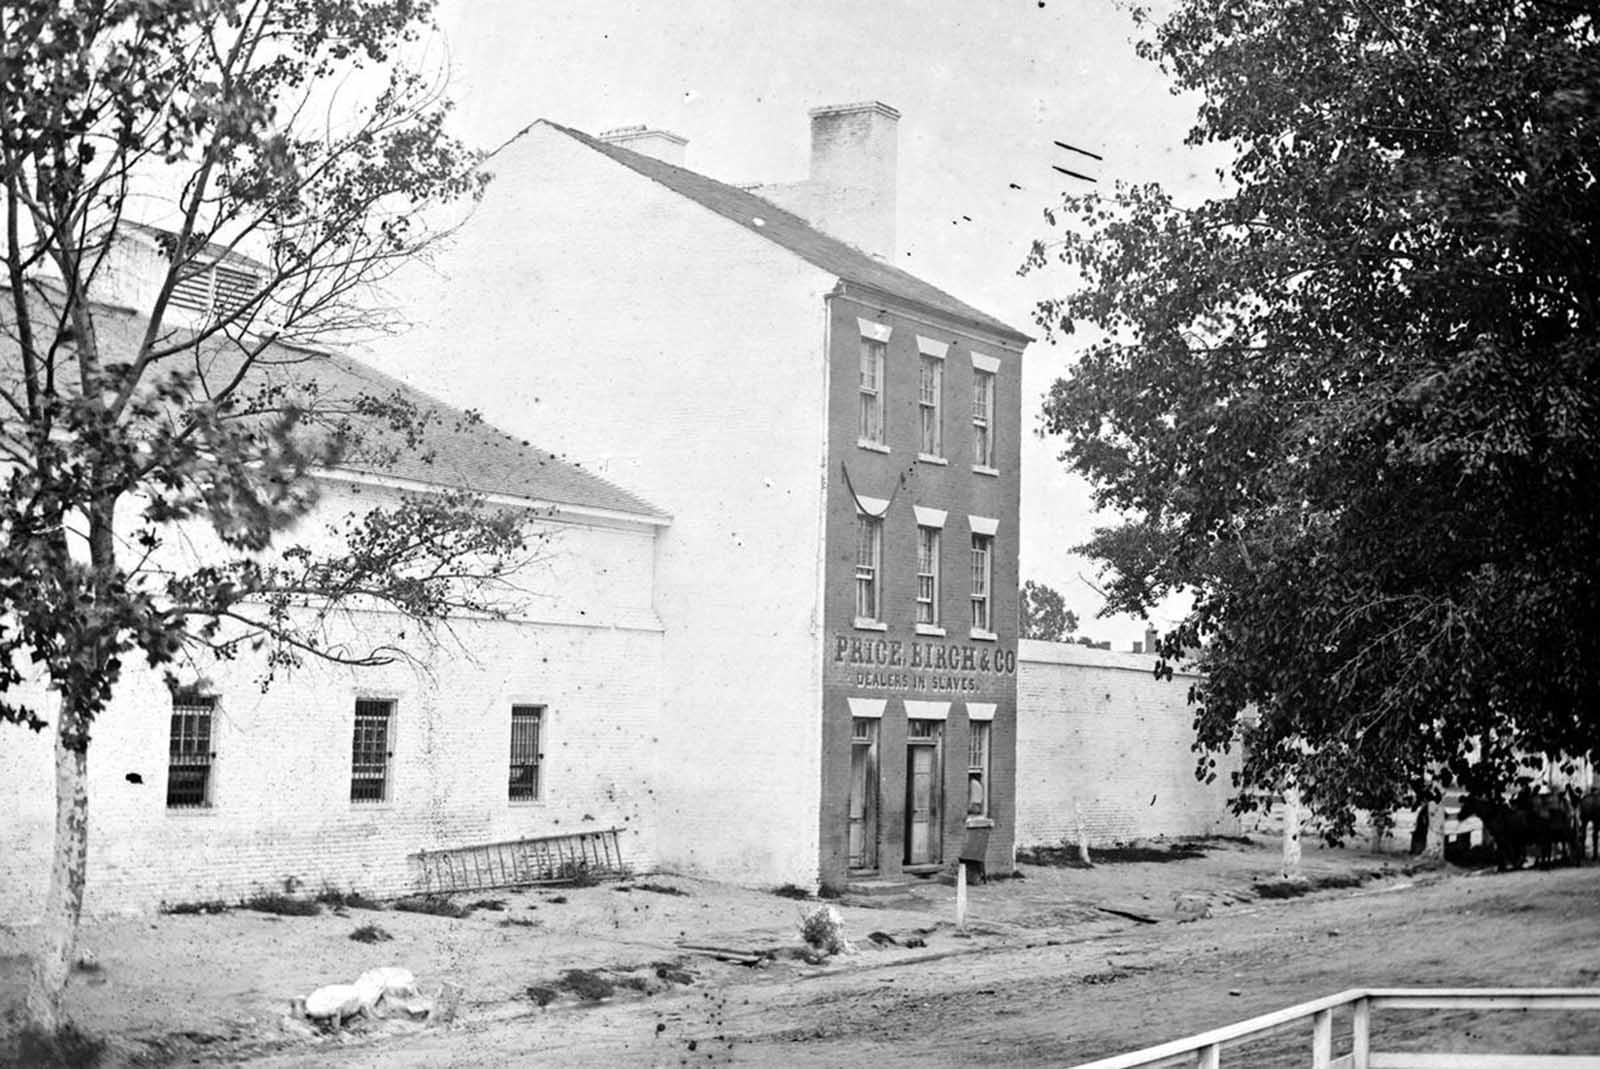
[{"x": 1088, "y": 996}]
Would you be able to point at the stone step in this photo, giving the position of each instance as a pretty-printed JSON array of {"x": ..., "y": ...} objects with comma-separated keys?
[{"x": 877, "y": 888}]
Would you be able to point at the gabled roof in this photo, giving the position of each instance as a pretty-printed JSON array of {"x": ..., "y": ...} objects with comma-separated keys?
[
  {"x": 456, "y": 450},
  {"x": 789, "y": 231}
]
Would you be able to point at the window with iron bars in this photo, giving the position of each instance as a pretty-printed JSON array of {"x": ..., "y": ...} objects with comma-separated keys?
[
  {"x": 978, "y": 769},
  {"x": 983, "y": 419},
  {"x": 982, "y": 552},
  {"x": 869, "y": 551},
  {"x": 872, "y": 359},
  {"x": 527, "y": 724},
  {"x": 928, "y": 575},
  {"x": 189, "y": 753},
  {"x": 370, "y": 750},
  {"x": 928, "y": 398}
]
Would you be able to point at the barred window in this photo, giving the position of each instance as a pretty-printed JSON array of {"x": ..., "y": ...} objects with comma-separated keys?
[
  {"x": 927, "y": 575},
  {"x": 982, "y": 554},
  {"x": 370, "y": 750},
  {"x": 983, "y": 419},
  {"x": 527, "y": 724},
  {"x": 928, "y": 398},
  {"x": 869, "y": 551},
  {"x": 872, "y": 358},
  {"x": 189, "y": 751},
  {"x": 978, "y": 769}
]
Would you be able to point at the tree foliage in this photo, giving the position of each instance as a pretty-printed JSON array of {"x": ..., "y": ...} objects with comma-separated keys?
[
  {"x": 1043, "y": 614},
  {"x": 1350, "y": 403},
  {"x": 146, "y": 146}
]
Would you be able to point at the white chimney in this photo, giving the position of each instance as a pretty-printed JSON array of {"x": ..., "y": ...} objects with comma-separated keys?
[
  {"x": 664, "y": 145},
  {"x": 852, "y": 184}
]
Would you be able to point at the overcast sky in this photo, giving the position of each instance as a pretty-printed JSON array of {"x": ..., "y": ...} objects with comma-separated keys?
[{"x": 984, "y": 88}]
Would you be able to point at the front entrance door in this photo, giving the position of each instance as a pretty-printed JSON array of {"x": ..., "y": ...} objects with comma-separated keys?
[
  {"x": 924, "y": 792},
  {"x": 863, "y": 793}
]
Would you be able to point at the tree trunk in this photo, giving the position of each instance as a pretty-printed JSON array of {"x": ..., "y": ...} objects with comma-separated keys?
[
  {"x": 1433, "y": 847},
  {"x": 58, "y": 926},
  {"x": 1291, "y": 833}
]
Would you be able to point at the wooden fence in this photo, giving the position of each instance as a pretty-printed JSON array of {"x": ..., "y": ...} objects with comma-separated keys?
[{"x": 1204, "y": 1051}]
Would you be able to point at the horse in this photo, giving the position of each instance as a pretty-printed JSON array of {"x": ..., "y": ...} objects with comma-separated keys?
[
  {"x": 1552, "y": 828},
  {"x": 1508, "y": 828}
]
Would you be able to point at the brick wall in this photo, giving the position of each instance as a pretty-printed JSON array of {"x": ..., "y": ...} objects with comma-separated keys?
[
  {"x": 280, "y": 795},
  {"x": 1099, "y": 735}
]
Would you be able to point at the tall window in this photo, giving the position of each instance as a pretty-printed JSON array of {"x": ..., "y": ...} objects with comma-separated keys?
[
  {"x": 928, "y": 575},
  {"x": 869, "y": 552},
  {"x": 189, "y": 751},
  {"x": 928, "y": 398},
  {"x": 983, "y": 418},
  {"x": 369, "y": 751},
  {"x": 527, "y": 722},
  {"x": 872, "y": 358},
  {"x": 978, "y": 769},
  {"x": 982, "y": 567}
]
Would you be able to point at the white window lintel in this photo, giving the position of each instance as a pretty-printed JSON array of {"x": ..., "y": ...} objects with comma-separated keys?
[
  {"x": 991, "y": 364},
  {"x": 981, "y": 710},
  {"x": 931, "y": 347},
  {"x": 868, "y": 708},
  {"x": 875, "y": 331},
  {"x": 875, "y": 507},
  {"x": 927, "y": 517},
  {"x": 984, "y": 525},
  {"x": 927, "y": 710}
]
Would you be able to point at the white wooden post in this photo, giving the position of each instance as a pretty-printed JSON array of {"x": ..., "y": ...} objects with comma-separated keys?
[
  {"x": 1322, "y": 1039},
  {"x": 961, "y": 895},
  {"x": 1208, "y": 1057},
  {"x": 1361, "y": 1035}
]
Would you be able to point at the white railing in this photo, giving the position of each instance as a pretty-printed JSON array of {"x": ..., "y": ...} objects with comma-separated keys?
[{"x": 1204, "y": 1051}]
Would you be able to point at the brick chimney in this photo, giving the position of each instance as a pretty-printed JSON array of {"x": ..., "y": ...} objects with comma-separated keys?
[
  {"x": 664, "y": 145},
  {"x": 853, "y": 174}
]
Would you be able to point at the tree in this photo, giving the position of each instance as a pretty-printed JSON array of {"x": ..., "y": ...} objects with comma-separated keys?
[
  {"x": 1350, "y": 403},
  {"x": 1043, "y": 613},
  {"x": 122, "y": 432}
]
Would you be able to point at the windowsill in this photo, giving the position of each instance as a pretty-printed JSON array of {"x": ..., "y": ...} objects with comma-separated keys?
[
  {"x": 929, "y": 458},
  {"x": 979, "y": 469},
  {"x": 983, "y": 636},
  {"x": 980, "y": 822},
  {"x": 876, "y": 447},
  {"x": 185, "y": 812},
  {"x": 524, "y": 803},
  {"x": 932, "y": 630},
  {"x": 372, "y": 807},
  {"x": 870, "y": 625}
]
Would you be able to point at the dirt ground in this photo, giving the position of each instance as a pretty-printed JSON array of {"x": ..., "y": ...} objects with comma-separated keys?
[{"x": 1062, "y": 966}]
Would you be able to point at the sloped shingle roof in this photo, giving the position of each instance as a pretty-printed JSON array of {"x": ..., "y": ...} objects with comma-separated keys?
[{"x": 793, "y": 233}]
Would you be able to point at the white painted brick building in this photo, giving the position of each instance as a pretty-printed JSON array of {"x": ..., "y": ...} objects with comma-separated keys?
[{"x": 1099, "y": 736}]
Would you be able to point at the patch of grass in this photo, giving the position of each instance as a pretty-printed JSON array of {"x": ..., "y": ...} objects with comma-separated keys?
[
  {"x": 829, "y": 892},
  {"x": 661, "y": 889},
  {"x": 283, "y": 905},
  {"x": 494, "y": 905},
  {"x": 578, "y": 874},
  {"x": 794, "y": 891},
  {"x": 633, "y": 983},
  {"x": 370, "y": 933},
  {"x": 542, "y": 995},
  {"x": 434, "y": 905},
  {"x": 1066, "y": 855},
  {"x": 68, "y": 1048},
  {"x": 557, "y": 900},
  {"x": 519, "y": 922},
  {"x": 212, "y": 905},
  {"x": 337, "y": 899},
  {"x": 586, "y": 984},
  {"x": 87, "y": 965},
  {"x": 673, "y": 973},
  {"x": 1281, "y": 888}
]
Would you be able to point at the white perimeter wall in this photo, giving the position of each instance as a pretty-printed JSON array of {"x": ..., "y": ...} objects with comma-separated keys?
[
  {"x": 280, "y": 801},
  {"x": 1099, "y": 735},
  {"x": 593, "y": 312}
]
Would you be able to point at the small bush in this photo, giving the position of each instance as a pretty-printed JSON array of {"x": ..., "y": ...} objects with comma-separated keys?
[
  {"x": 335, "y": 898},
  {"x": 68, "y": 1048},
  {"x": 823, "y": 930},
  {"x": 588, "y": 986},
  {"x": 436, "y": 905},
  {"x": 542, "y": 995},
  {"x": 794, "y": 891},
  {"x": 370, "y": 933},
  {"x": 214, "y": 905},
  {"x": 282, "y": 904},
  {"x": 577, "y": 874}
]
